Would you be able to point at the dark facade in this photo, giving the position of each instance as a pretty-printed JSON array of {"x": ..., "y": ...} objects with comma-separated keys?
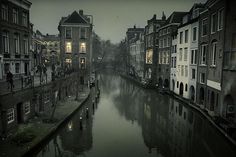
[
  {"x": 165, "y": 43},
  {"x": 151, "y": 47},
  {"x": 210, "y": 57},
  {"x": 15, "y": 35}
]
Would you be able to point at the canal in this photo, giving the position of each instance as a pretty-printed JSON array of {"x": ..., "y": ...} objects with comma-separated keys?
[{"x": 131, "y": 121}]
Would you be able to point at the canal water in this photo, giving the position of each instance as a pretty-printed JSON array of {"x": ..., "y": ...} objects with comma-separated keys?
[{"x": 129, "y": 121}]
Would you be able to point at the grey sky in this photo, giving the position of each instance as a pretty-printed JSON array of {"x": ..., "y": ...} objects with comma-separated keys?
[{"x": 111, "y": 17}]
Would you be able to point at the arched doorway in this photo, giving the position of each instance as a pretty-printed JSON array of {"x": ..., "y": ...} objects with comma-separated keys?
[
  {"x": 230, "y": 107},
  {"x": 166, "y": 83},
  {"x": 201, "y": 96},
  {"x": 181, "y": 89},
  {"x": 192, "y": 93},
  {"x": 212, "y": 102},
  {"x": 160, "y": 82},
  {"x": 173, "y": 84}
]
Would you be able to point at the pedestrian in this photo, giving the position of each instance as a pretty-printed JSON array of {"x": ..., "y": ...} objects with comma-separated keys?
[{"x": 10, "y": 80}]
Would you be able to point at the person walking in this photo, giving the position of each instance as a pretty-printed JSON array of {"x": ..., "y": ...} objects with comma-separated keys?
[{"x": 10, "y": 80}]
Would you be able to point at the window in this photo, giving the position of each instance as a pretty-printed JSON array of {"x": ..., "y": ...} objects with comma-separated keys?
[
  {"x": 192, "y": 56},
  {"x": 182, "y": 70},
  {"x": 204, "y": 27},
  {"x": 193, "y": 73},
  {"x": 10, "y": 115},
  {"x": 27, "y": 108},
  {"x": 186, "y": 71},
  {"x": 181, "y": 38},
  {"x": 213, "y": 23},
  {"x": 24, "y": 19},
  {"x": 17, "y": 68},
  {"x": 165, "y": 42},
  {"x": 6, "y": 67},
  {"x": 194, "y": 33},
  {"x": 213, "y": 54},
  {"x": 149, "y": 55},
  {"x": 4, "y": 13},
  {"x": 160, "y": 43},
  {"x": 159, "y": 58},
  {"x": 68, "y": 61},
  {"x": 68, "y": 47},
  {"x": 26, "y": 46},
  {"x": 82, "y": 48},
  {"x": 177, "y": 84},
  {"x": 167, "y": 57},
  {"x": 83, "y": 33},
  {"x": 195, "y": 58},
  {"x": 185, "y": 54},
  {"x": 220, "y": 19},
  {"x": 68, "y": 33},
  {"x": 186, "y": 88},
  {"x": 175, "y": 62},
  {"x": 15, "y": 16},
  {"x": 5, "y": 40},
  {"x": 179, "y": 70},
  {"x": 186, "y": 36},
  {"x": 17, "y": 43},
  {"x": 202, "y": 77},
  {"x": 82, "y": 63},
  {"x": 168, "y": 42},
  {"x": 180, "y": 54},
  {"x": 203, "y": 54}
]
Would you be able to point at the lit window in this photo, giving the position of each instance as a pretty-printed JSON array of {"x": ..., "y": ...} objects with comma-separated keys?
[
  {"x": 68, "y": 47},
  {"x": 213, "y": 55},
  {"x": 68, "y": 61},
  {"x": 27, "y": 108},
  {"x": 15, "y": 15},
  {"x": 82, "y": 63},
  {"x": 10, "y": 115},
  {"x": 149, "y": 55},
  {"x": 82, "y": 47}
]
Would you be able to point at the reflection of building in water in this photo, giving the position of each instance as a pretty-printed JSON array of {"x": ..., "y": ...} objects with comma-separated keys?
[{"x": 75, "y": 140}]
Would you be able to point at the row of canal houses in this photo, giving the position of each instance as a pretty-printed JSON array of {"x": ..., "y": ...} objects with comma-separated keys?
[{"x": 192, "y": 54}]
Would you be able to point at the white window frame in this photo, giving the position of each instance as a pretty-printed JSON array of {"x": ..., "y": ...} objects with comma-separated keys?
[
  {"x": 10, "y": 115},
  {"x": 203, "y": 20},
  {"x": 220, "y": 23},
  {"x": 16, "y": 43},
  {"x": 213, "y": 31},
  {"x": 15, "y": 15},
  {"x": 5, "y": 40},
  {"x": 213, "y": 53},
  {"x": 202, "y": 56}
]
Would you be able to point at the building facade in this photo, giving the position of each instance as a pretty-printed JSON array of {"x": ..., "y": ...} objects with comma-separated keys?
[
  {"x": 15, "y": 32},
  {"x": 76, "y": 44}
]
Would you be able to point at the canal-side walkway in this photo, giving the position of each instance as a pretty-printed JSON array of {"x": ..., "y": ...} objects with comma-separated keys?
[
  {"x": 36, "y": 131},
  {"x": 194, "y": 106}
]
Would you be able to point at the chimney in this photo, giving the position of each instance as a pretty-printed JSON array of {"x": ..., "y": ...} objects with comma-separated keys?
[
  {"x": 134, "y": 26},
  {"x": 81, "y": 12},
  {"x": 155, "y": 16},
  {"x": 163, "y": 16}
]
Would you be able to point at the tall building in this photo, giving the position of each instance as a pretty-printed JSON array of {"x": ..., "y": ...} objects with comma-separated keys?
[
  {"x": 52, "y": 45},
  {"x": 76, "y": 43},
  {"x": 187, "y": 51},
  {"x": 15, "y": 32},
  {"x": 151, "y": 39},
  {"x": 210, "y": 58},
  {"x": 164, "y": 50}
]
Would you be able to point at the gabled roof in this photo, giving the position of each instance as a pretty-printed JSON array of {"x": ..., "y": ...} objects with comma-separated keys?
[
  {"x": 175, "y": 17},
  {"x": 75, "y": 17}
]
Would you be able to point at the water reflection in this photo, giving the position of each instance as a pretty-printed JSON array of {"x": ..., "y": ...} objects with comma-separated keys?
[{"x": 131, "y": 121}]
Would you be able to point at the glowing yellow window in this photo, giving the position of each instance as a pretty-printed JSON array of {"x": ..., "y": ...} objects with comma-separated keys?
[
  {"x": 82, "y": 48},
  {"x": 68, "y": 47}
]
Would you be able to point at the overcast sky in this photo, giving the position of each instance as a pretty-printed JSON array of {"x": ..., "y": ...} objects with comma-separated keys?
[{"x": 111, "y": 17}]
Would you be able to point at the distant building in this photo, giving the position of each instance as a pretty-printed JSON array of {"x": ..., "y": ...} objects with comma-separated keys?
[
  {"x": 131, "y": 35},
  {"x": 173, "y": 59},
  {"x": 76, "y": 43},
  {"x": 164, "y": 50},
  {"x": 137, "y": 56},
  {"x": 15, "y": 32},
  {"x": 151, "y": 47},
  {"x": 52, "y": 44}
]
